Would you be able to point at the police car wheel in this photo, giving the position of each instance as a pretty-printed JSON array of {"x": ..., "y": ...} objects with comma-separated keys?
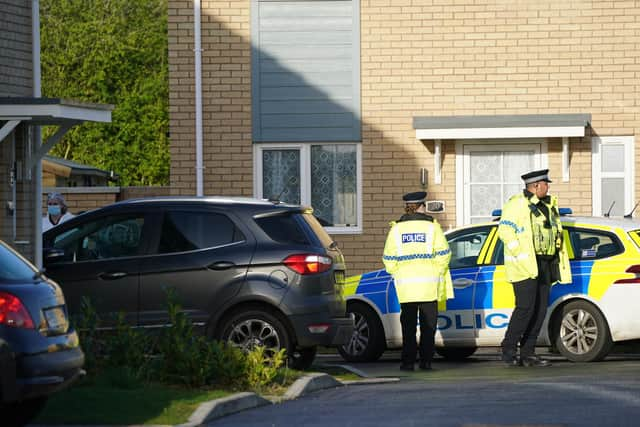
[
  {"x": 455, "y": 353},
  {"x": 581, "y": 332},
  {"x": 367, "y": 342}
]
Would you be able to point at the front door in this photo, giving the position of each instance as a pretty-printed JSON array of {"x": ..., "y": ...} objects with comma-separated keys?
[{"x": 491, "y": 174}]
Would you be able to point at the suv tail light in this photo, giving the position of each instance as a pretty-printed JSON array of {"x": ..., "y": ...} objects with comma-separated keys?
[
  {"x": 13, "y": 312},
  {"x": 308, "y": 263}
]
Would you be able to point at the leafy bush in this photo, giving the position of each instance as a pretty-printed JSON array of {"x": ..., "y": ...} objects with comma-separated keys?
[{"x": 178, "y": 355}]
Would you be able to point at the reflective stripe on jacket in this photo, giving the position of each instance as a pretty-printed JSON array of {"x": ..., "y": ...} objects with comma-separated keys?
[
  {"x": 417, "y": 255},
  {"x": 515, "y": 231}
]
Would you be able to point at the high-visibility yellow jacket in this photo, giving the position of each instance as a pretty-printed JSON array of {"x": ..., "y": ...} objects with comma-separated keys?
[
  {"x": 417, "y": 255},
  {"x": 516, "y": 232}
]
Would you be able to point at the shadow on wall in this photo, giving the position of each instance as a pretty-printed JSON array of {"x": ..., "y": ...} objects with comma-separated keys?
[{"x": 305, "y": 69}]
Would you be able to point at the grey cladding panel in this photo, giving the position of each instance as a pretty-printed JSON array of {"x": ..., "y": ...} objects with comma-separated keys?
[
  {"x": 278, "y": 121},
  {"x": 306, "y": 75},
  {"x": 289, "y": 79}
]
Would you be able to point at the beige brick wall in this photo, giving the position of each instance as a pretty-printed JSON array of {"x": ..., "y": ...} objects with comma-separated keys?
[
  {"x": 81, "y": 199},
  {"x": 227, "y": 153},
  {"x": 421, "y": 58}
]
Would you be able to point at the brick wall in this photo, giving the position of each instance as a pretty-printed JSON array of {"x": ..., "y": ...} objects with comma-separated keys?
[
  {"x": 15, "y": 48},
  {"x": 226, "y": 98},
  {"x": 80, "y": 199},
  {"x": 457, "y": 57}
]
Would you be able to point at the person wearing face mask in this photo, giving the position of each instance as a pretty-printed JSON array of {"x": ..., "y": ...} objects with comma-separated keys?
[
  {"x": 535, "y": 257},
  {"x": 57, "y": 211}
]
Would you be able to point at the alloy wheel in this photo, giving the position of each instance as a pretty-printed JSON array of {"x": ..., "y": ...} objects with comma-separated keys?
[{"x": 579, "y": 331}]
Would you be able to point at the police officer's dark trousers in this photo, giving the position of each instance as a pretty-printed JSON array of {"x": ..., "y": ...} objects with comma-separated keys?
[
  {"x": 428, "y": 313},
  {"x": 532, "y": 296}
]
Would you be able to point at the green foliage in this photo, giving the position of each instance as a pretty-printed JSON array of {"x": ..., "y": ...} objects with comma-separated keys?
[
  {"x": 87, "y": 326},
  {"x": 127, "y": 349},
  {"x": 177, "y": 355},
  {"x": 261, "y": 369},
  {"x": 112, "y": 52},
  {"x": 184, "y": 357}
]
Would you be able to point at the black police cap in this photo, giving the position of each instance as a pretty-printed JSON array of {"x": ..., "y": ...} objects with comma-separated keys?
[
  {"x": 415, "y": 197},
  {"x": 536, "y": 176}
]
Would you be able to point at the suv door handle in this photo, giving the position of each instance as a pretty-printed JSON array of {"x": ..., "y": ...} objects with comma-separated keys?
[
  {"x": 462, "y": 283},
  {"x": 112, "y": 276},
  {"x": 222, "y": 265}
]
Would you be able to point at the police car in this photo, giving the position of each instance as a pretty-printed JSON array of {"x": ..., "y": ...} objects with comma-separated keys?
[{"x": 585, "y": 317}]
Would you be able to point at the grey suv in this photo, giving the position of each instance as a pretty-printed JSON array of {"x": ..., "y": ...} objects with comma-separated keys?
[{"x": 248, "y": 271}]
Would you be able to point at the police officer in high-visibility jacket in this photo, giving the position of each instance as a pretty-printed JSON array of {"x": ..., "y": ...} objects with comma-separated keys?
[
  {"x": 535, "y": 257},
  {"x": 417, "y": 255}
]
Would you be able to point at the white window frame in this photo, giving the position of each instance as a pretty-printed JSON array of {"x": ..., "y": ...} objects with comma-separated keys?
[
  {"x": 462, "y": 158},
  {"x": 597, "y": 174},
  {"x": 305, "y": 177}
]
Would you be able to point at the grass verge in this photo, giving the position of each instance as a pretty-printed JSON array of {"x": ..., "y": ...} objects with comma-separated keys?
[
  {"x": 104, "y": 402},
  {"x": 113, "y": 398}
]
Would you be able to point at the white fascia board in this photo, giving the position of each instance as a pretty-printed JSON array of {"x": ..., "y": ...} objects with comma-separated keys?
[{"x": 496, "y": 133}]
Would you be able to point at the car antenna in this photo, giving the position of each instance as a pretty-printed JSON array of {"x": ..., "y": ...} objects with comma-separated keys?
[
  {"x": 610, "y": 207},
  {"x": 630, "y": 214},
  {"x": 284, "y": 188}
]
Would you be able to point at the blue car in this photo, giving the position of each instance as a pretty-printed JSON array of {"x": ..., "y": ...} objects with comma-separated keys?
[{"x": 39, "y": 350}]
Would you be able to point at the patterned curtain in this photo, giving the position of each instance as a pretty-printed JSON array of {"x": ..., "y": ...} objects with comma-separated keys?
[
  {"x": 281, "y": 175},
  {"x": 334, "y": 184}
]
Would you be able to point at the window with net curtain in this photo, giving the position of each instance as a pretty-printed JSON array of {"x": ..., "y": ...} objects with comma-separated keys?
[{"x": 331, "y": 185}]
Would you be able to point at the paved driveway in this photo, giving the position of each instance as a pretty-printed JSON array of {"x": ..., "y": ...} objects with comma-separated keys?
[{"x": 478, "y": 392}]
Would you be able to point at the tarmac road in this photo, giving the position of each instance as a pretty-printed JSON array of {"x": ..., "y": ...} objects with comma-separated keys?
[{"x": 478, "y": 392}]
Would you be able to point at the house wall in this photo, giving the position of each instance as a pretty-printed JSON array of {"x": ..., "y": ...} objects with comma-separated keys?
[
  {"x": 471, "y": 57},
  {"x": 15, "y": 48},
  {"x": 16, "y": 225},
  {"x": 80, "y": 199}
]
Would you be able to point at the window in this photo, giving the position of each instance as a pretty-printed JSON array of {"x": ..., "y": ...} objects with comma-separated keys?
[
  {"x": 466, "y": 245},
  {"x": 323, "y": 176},
  {"x": 613, "y": 175},
  {"x": 590, "y": 244},
  {"x": 112, "y": 237},
  {"x": 190, "y": 231}
]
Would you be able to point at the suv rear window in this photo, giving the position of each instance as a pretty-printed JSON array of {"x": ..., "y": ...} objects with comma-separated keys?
[{"x": 283, "y": 228}]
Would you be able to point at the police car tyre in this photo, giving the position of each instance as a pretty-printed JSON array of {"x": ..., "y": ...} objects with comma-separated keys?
[
  {"x": 249, "y": 329},
  {"x": 367, "y": 342},
  {"x": 581, "y": 332},
  {"x": 455, "y": 353}
]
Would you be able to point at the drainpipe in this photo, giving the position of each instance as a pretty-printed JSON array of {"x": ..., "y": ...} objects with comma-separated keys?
[
  {"x": 198, "y": 64},
  {"x": 37, "y": 136}
]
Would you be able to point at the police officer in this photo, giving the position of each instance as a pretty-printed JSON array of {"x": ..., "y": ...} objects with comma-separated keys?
[
  {"x": 417, "y": 255},
  {"x": 534, "y": 259}
]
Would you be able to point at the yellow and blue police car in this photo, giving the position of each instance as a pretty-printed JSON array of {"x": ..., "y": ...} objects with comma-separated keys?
[{"x": 585, "y": 317}]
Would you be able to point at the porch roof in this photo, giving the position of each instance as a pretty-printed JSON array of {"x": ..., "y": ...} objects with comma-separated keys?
[{"x": 501, "y": 126}]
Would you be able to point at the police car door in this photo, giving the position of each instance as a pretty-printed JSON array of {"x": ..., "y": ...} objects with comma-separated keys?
[
  {"x": 457, "y": 324},
  {"x": 494, "y": 300}
]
